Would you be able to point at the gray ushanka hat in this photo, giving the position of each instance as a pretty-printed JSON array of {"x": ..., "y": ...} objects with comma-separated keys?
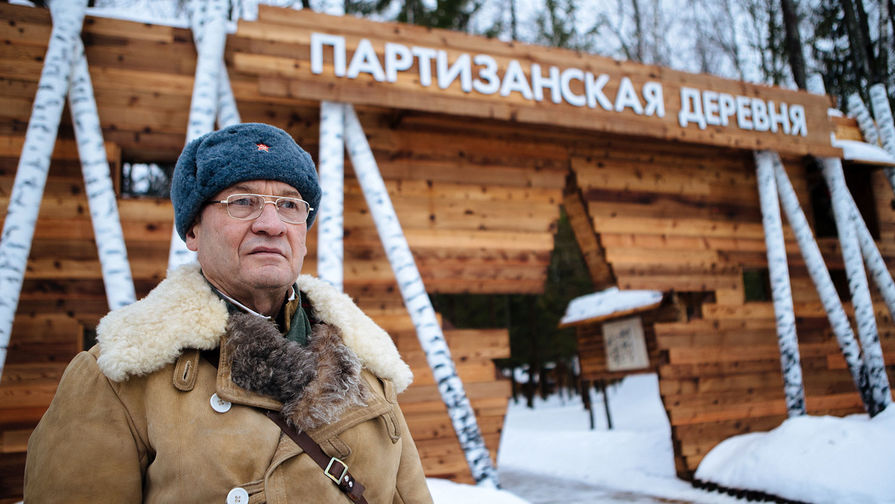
[{"x": 248, "y": 151}]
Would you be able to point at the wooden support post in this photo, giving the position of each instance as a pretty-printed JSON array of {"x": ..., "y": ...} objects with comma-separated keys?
[
  {"x": 34, "y": 163},
  {"x": 782, "y": 293},
  {"x": 857, "y": 283},
  {"x": 820, "y": 275},
  {"x": 330, "y": 227},
  {"x": 417, "y": 302},
  {"x": 588, "y": 404},
  {"x": 107, "y": 232},
  {"x": 605, "y": 392}
]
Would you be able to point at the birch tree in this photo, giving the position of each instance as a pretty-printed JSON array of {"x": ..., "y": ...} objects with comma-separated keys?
[
  {"x": 857, "y": 284},
  {"x": 330, "y": 216},
  {"x": 820, "y": 276},
  {"x": 417, "y": 302},
  {"x": 203, "y": 107},
  {"x": 109, "y": 238},
  {"x": 780, "y": 288},
  {"x": 34, "y": 163}
]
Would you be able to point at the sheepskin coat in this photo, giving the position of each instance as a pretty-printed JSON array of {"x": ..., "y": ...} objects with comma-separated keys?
[{"x": 169, "y": 406}]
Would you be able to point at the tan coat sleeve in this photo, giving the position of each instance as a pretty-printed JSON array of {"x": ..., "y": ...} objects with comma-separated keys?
[
  {"x": 411, "y": 482},
  {"x": 85, "y": 448}
]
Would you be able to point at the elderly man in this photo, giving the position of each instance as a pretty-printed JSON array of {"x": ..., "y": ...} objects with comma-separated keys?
[{"x": 231, "y": 381}]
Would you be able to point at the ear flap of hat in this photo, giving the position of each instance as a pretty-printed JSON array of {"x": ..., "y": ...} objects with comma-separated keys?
[{"x": 183, "y": 182}]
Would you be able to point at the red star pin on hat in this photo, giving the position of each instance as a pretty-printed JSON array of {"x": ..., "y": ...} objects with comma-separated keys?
[{"x": 262, "y": 147}]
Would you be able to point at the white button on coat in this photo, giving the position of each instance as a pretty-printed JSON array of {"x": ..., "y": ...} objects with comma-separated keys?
[
  {"x": 221, "y": 406},
  {"x": 238, "y": 496}
]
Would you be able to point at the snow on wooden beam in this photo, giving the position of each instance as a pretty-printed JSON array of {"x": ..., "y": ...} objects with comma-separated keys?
[
  {"x": 107, "y": 232},
  {"x": 330, "y": 218},
  {"x": 418, "y": 303},
  {"x": 868, "y": 128},
  {"x": 863, "y": 152},
  {"x": 780, "y": 288},
  {"x": 609, "y": 303},
  {"x": 34, "y": 163}
]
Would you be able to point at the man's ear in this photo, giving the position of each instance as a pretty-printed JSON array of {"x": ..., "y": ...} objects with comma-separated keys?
[{"x": 192, "y": 238}]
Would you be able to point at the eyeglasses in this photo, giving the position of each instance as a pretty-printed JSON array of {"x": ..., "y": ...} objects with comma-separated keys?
[{"x": 250, "y": 206}]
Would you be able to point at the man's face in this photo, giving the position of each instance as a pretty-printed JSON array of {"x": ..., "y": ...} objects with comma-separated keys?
[{"x": 249, "y": 258}]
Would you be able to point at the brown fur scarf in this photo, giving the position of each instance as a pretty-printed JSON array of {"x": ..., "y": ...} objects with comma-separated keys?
[{"x": 316, "y": 383}]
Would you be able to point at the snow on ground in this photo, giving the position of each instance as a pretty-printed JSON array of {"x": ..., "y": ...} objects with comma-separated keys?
[
  {"x": 549, "y": 454},
  {"x": 812, "y": 459}
]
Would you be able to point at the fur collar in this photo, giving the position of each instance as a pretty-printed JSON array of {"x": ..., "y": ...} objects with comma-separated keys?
[
  {"x": 182, "y": 312},
  {"x": 316, "y": 383}
]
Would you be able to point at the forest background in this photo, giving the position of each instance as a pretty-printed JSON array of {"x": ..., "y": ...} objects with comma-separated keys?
[{"x": 840, "y": 47}]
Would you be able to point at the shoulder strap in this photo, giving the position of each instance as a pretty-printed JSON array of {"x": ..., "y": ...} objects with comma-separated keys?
[{"x": 333, "y": 468}]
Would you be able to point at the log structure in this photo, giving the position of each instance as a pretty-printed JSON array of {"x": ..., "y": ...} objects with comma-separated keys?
[{"x": 479, "y": 142}]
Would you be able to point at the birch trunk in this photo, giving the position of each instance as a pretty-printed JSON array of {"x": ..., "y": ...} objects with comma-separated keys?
[
  {"x": 879, "y": 271},
  {"x": 34, "y": 163},
  {"x": 865, "y": 121},
  {"x": 782, "y": 293},
  {"x": 98, "y": 183},
  {"x": 883, "y": 114},
  {"x": 330, "y": 227},
  {"x": 879, "y": 100},
  {"x": 857, "y": 283},
  {"x": 417, "y": 302},
  {"x": 227, "y": 112},
  {"x": 820, "y": 275},
  {"x": 203, "y": 107}
]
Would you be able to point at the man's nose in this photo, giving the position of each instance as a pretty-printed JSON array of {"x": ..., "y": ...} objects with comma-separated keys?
[{"x": 269, "y": 221}]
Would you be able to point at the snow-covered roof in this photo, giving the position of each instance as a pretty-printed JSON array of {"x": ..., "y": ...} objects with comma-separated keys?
[
  {"x": 609, "y": 302},
  {"x": 863, "y": 152}
]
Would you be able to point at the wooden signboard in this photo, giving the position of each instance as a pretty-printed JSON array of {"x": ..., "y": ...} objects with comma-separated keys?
[
  {"x": 307, "y": 55},
  {"x": 625, "y": 345}
]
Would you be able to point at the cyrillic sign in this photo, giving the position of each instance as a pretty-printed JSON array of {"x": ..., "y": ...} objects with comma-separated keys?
[{"x": 480, "y": 74}]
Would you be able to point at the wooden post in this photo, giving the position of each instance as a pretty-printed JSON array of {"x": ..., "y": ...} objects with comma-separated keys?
[
  {"x": 34, "y": 163},
  {"x": 330, "y": 227},
  {"x": 820, "y": 275},
  {"x": 857, "y": 283},
  {"x": 203, "y": 107},
  {"x": 606, "y": 403},
  {"x": 107, "y": 232},
  {"x": 588, "y": 404},
  {"x": 417, "y": 302},
  {"x": 782, "y": 293}
]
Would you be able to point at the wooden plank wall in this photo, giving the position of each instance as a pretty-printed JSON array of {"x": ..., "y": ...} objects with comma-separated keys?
[
  {"x": 687, "y": 220},
  {"x": 478, "y": 205},
  {"x": 478, "y": 200}
]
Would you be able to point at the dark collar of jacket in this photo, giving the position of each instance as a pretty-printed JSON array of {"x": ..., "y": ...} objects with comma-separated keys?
[{"x": 183, "y": 313}]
